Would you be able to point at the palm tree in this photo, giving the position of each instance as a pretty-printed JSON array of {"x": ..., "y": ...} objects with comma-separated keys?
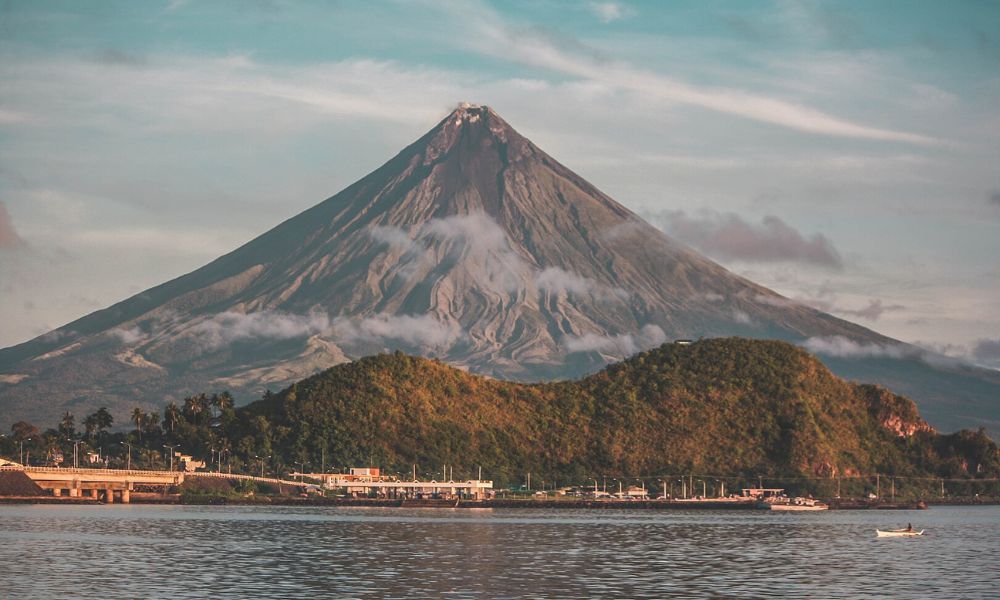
[
  {"x": 194, "y": 407},
  {"x": 90, "y": 424},
  {"x": 139, "y": 418},
  {"x": 104, "y": 419},
  {"x": 67, "y": 425},
  {"x": 170, "y": 414}
]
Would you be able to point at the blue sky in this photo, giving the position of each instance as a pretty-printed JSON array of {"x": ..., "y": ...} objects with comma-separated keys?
[{"x": 850, "y": 147}]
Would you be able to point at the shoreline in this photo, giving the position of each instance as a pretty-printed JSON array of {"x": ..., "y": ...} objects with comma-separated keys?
[{"x": 644, "y": 505}]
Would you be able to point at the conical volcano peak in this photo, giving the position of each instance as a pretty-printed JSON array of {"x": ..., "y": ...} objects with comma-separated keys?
[
  {"x": 471, "y": 245},
  {"x": 467, "y": 111},
  {"x": 481, "y": 115}
]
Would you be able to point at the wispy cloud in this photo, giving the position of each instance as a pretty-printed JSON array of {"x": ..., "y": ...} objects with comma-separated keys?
[
  {"x": 840, "y": 346},
  {"x": 395, "y": 237},
  {"x": 421, "y": 331},
  {"x": 116, "y": 57},
  {"x": 727, "y": 236},
  {"x": 621, "y": 345},
  {"x": 987, "y": 352},
  {"x": 872, "y": 312},
  {"x": 475, "y": 239},
  {"x": 128, "y": 335},
  {"x": 608, "y": 12},
  {"x": 742, "y": 317},
  {"x": 556, "y": 280},
  {"x": 9, "y": 237},
  {"x": 490, "y": 33},
  {"x": 227, "y": 327}
]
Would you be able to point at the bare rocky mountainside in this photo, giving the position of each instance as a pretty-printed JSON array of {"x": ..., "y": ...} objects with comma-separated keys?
[{"x": 471, "y": 245}]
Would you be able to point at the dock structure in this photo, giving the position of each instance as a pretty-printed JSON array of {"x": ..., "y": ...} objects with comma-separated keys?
[{"x": 368, "y": 481}]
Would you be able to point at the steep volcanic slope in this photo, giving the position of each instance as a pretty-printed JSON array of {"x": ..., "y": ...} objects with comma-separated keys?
[{"x": 471, "y": 245}]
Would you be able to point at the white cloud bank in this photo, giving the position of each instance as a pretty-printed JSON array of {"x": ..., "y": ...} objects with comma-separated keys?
[
  {"x": 842, "y": 347},
  {"x": 417, "y": 330},
  {"x": 625, "y": 344},
  {"x": 227, "y": 327}
]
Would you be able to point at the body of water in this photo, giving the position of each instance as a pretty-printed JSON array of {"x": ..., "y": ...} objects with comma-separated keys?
[{"x": 174, "y": 552}]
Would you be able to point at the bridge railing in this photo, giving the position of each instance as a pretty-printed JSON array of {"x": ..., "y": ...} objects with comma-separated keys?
[
  {"x": 135, "y": 472},
  {"x": 245, "y": 478},
  {"x": 148, "y": 473}
]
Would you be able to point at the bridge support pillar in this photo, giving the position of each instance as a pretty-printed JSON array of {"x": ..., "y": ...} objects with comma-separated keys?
[
  {"x": 56, "y": 492},
  {"x": 109, "y": 496},
  {"x": 125, "y": 496},
  {"x": 74, "y": 492},
  {"x": 93, "y": 493}
]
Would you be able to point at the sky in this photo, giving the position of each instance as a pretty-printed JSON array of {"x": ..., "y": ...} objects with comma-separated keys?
[{"x": 845, "y": 154}]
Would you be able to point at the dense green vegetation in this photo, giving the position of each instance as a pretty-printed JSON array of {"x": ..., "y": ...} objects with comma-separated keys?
[{"x": 728, "y": 407}]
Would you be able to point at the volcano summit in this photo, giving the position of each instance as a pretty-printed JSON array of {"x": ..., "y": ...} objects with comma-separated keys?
[{"x": 471, "y": 245}]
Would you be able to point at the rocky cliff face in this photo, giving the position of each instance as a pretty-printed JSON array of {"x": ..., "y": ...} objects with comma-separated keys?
[{"x": 471, "y": 245}]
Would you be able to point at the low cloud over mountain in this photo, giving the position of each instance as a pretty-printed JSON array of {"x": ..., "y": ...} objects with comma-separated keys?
[{"x": 729, "y": 237}]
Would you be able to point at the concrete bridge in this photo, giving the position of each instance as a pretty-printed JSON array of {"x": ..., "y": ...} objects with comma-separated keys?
[{"x": 113, "y": 485}]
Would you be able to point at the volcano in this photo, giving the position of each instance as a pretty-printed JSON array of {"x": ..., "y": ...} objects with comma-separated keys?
[{"x": 471, "y": 245}]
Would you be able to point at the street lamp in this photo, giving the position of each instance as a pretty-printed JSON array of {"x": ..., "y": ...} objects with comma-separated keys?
[
  {"x": 261, "y": 458},
  {"x": 76, "y": 460},
  {"x": 224, "y": 450},
  {"x": 171, "y": 448},
  {"x": 128, "y": 466},
  {"x": 21, "y": 442}
]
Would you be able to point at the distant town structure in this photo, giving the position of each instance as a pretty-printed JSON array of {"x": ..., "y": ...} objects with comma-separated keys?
[
  {"x": 762, "y": 493},
  {"x": 366, "y": 481},
  {"x": 188, "y": 463}
]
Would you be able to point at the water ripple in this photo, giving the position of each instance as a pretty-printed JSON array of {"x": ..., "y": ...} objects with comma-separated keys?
[{"x": 180, "y": 552}]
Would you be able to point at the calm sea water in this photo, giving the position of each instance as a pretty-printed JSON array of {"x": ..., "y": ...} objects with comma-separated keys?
[{"x": 275, "y": 552}]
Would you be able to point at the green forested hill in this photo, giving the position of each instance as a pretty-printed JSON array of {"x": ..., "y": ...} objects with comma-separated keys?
[{"x": 729, "y": 406}]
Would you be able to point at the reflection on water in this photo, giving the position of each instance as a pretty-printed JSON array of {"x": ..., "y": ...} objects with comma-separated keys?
[{"x": 276, "y": 552}]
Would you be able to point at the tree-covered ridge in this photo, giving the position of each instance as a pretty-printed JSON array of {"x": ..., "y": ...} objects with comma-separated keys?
[{"x": 732, "y": 406}]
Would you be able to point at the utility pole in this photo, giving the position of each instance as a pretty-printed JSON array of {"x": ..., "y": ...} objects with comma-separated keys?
[
  {"x": 878, "y": 486},
  {"x": 529, "y": 482},
  {"x": 892, "y": 483}
]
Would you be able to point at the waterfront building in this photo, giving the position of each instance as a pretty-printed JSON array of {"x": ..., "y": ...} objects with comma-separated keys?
[{"x": 368, "y": 481}]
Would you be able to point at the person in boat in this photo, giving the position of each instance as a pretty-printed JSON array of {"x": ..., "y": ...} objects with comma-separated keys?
[{"x": 909, "y": 527}]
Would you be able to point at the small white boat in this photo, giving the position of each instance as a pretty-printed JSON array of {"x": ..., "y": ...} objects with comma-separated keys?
[
  {"x": 798, "y": 504},
  {"x": 898, "y": 533}
]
